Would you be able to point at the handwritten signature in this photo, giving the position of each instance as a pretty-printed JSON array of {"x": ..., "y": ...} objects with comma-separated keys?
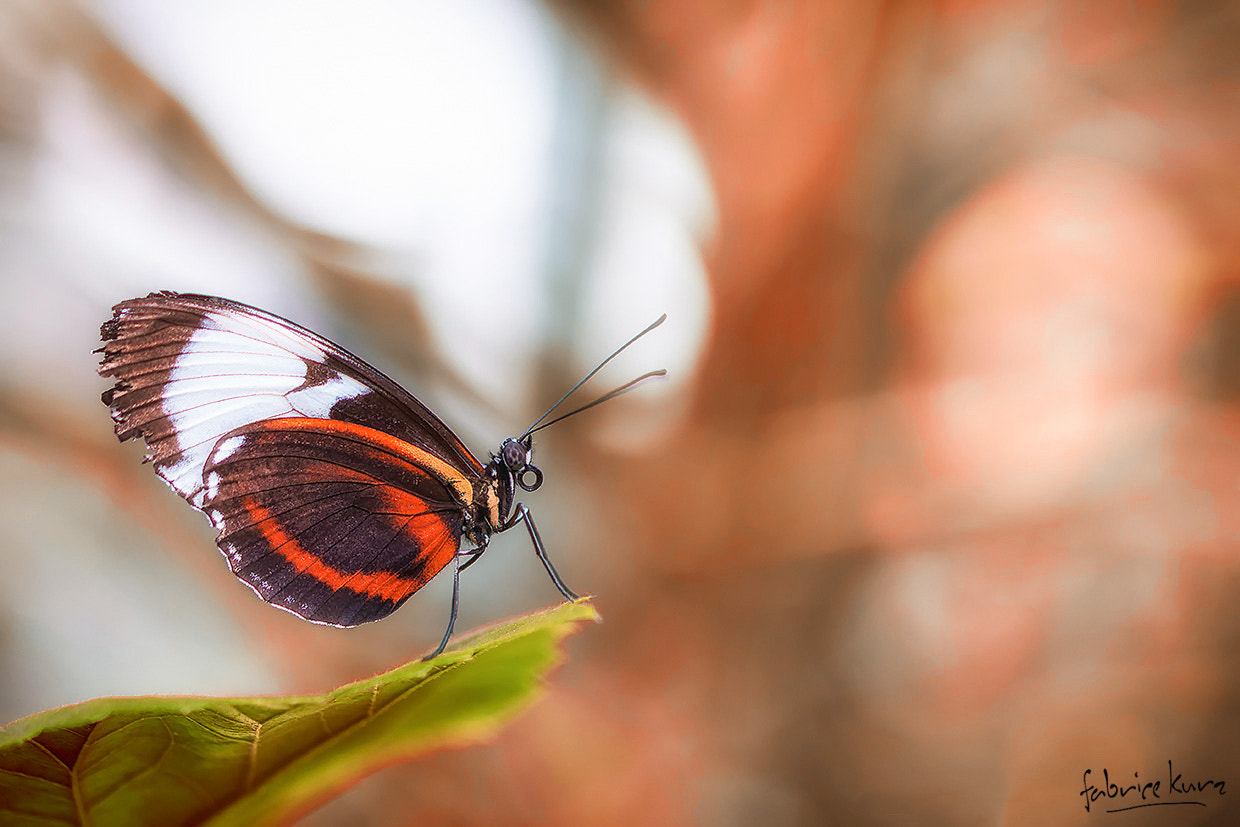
[{"x": 1149, "y": 793}]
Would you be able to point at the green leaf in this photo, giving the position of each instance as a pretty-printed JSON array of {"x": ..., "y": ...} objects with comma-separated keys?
[{"x": 191, "y": 760}]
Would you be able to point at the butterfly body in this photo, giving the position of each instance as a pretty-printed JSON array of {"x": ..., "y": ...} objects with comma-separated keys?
[{"x": 335, "y": 492}]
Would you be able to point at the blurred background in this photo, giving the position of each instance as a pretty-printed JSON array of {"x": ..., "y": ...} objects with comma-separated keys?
[{"x": 938, "y": 508}]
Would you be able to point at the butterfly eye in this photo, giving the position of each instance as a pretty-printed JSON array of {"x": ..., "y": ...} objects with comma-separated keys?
[
  {"x": 514, "y": 454},
  {"x": 530, "y": 485}
]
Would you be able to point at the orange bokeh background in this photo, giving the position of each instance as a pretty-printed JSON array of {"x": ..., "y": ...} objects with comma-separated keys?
[{"x": 948, "y": 513}]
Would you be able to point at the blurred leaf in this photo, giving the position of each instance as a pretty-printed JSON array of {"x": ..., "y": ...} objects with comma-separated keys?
[{"x": 179, "y": 760}]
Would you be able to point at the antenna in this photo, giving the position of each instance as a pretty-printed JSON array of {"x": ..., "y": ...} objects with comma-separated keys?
[
  {"x": 625, "y": 388},
  {"x": 610, "y": 395}
]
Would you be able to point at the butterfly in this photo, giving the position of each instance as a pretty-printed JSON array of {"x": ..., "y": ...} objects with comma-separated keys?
[{"x": 336, "y": 494}]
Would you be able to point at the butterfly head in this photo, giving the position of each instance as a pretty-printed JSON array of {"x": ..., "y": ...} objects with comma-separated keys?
[
  {"x": 516, "y": 455},
  {"x": 507, "y": 470}
]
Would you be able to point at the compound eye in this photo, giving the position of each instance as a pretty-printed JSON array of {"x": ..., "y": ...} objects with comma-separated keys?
[
  {"x": 530, "y": 478},
  {"x": 514, "y": 454}
]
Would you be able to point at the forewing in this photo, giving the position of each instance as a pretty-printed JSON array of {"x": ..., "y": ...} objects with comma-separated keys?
[
  {"x": 335, "y": 522},
  {"x": 190, "y": 369}
]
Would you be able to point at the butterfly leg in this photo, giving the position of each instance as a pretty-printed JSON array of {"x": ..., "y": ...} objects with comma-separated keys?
[
  {"x": 473, "y": 554},
  {"x": 456, "y": 602},
  {"x": 523, "y": 514}
]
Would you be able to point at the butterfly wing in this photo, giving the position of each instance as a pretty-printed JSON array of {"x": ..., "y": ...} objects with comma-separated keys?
[
  {"x": 335, "y": 522},
  {"x": 191, "y": 370}
]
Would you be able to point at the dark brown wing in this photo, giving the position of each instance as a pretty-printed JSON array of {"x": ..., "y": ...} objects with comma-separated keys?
[
  {"x": 335, "y": 522},
  {"x": 336, "y": 493}
]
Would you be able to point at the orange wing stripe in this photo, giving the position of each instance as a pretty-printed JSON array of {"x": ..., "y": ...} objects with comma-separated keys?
[
  {"x": 451, "y": 477},
  {"x": 382, "y": 584}
]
